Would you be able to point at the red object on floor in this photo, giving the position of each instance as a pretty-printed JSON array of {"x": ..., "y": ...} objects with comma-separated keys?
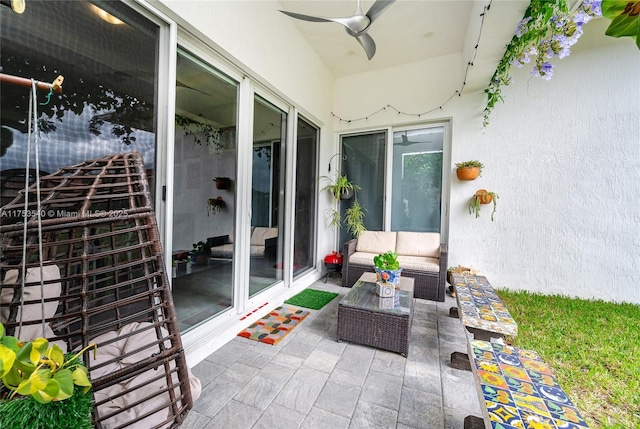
[{"x": 333, "y": 258}]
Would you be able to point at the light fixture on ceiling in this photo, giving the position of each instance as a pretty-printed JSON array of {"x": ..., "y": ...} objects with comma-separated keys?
[
  {"x": 105, "y": 16},
  {"x": 18, "y": 6}
]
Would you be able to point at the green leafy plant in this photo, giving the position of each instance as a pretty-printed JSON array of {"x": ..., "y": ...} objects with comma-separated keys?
[
  {"x": 40, "y": 370},
  {"x": 472, "y": 163},
  {"x": 339, "y": 186},
  {"x": 625, "y": 18},
  {"x": 387, "y": 261},
  {"x": 194, "y": 128},
  {"x": 353, "y": 217},
  {"x": 214, "y": 205},
  {"x": 201, "y": 248},
  {"x": 482, "y": 197}
]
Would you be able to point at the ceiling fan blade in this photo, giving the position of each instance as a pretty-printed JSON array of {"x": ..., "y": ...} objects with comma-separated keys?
[
  {"x": 378, "y": 7},
  {"x": 307, "y": 17},
  {"x": 368, "y": 44}
]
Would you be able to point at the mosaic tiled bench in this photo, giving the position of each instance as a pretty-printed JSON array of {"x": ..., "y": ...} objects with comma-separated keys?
[
  {"x": 517, "y": 390},
  {"x": 481, "y": 312}
]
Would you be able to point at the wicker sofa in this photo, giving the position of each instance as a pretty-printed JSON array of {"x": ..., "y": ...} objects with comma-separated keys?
[{"x": 421, "y": 256}]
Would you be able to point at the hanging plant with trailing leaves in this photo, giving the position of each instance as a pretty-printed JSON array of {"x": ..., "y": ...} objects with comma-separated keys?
[
  {"x": 195, "y": 129},
  {"x": 547, "y": 30}
]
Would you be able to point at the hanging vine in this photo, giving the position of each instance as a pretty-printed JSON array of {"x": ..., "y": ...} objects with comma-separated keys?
[
  {"x": 195, "y": 129},
  {"x": 548, "y": 29}
]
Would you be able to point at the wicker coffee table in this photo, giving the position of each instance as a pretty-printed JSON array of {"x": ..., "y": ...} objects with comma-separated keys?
[{"x": 383, "y": 323}]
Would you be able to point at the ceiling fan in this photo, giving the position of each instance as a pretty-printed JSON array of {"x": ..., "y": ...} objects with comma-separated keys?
[{"x": 356, "y": 25}]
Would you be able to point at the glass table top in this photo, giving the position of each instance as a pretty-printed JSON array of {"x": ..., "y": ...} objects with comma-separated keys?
[{"x": 363, "y": 296}]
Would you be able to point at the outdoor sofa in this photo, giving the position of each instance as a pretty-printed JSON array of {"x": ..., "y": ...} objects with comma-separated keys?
[
  {"x": 421, "y": 256},
  {"x": 263, "y": 245}
]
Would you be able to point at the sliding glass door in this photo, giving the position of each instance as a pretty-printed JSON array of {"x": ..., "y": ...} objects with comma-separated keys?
[
  {"x": 363, "y": 163},
  {"x": 305, "y": 201},
  {"x": 267, "y": 196},
  {"x": 203, "y": 191},
  {"x": 400, "y": 177},
  {"x": 416, "y": 180}
]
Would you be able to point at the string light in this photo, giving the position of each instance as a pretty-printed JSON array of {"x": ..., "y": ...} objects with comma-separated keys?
[{"x": 456, "y": 92}]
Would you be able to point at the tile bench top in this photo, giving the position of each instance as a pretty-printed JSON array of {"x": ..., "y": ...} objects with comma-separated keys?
[
  {"x": 518, "y": 390},
  {"x": 480, "y": 307}
]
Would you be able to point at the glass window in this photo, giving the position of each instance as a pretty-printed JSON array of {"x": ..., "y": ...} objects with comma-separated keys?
[
  {"x": 108, "y": 57},
  {"x": 417, "y": 180}
]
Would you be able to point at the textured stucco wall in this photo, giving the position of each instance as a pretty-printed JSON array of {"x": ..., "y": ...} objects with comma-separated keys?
[{"x": 564, "y": 157}]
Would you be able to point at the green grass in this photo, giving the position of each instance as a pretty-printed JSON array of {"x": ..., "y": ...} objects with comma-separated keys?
[
  {"x": 593, "y": 347},
  {"x": 311, "y": 298}
]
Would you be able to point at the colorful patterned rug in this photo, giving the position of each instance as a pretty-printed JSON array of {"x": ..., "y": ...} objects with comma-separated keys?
[{"x": 272, "y": 328}]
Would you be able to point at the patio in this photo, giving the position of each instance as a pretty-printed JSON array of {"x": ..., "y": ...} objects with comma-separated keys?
[{"x": 309, "y": 380}]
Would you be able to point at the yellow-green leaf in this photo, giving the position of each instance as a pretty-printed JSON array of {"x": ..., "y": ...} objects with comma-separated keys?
[
  {"x": 7, "y": 358},
  {"x": 12, "y": 379},
  {"x": 80, "y": 377},
  {"x": 56, "y": 354},
  {"x": 65, "y": 384},
  {"x": 36, "y": 381}
]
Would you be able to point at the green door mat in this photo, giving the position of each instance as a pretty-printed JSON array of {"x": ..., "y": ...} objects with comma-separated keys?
[{"x": 311, "y": 298}]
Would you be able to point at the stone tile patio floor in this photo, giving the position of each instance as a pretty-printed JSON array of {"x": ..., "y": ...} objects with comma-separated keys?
[{"x": 309, "y": 380}]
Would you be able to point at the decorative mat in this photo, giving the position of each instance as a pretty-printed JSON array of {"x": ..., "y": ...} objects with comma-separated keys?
[
  {"x": 311, "y": 298},
  {"x": 272, "y": 328}
]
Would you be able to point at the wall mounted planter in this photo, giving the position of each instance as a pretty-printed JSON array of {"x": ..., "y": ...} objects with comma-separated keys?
[
  {"x": 222, "y": 182},
  {"x": 468, "y": 173}
]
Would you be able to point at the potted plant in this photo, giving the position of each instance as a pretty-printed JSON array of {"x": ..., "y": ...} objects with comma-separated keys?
[
  {"x": 482, "y": 196},
  {"x": 201, "y": 252},
  {"x": 222, "y": 182},
  {"x": 469, "y": 170},
  {"x": 341, "y": 188},
  {"x": 353, "y": 218},
  {"x": 42, "y": 385},
  {"x": 214, "y": 205},
  {"x": 387, "y": 268}
]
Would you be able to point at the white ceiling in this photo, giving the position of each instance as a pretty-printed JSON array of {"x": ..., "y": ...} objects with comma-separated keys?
[{"x": 409, "y": 31}]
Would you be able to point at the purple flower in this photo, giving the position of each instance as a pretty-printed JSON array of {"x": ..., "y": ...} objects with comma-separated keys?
[
  {"x": 545, "y": 70},
  {"x": 521, "y": 28},
  {"x": 592, "y": 7}
]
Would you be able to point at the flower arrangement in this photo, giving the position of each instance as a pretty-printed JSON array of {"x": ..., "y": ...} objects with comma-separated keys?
[{"x": 548, "y": 29}]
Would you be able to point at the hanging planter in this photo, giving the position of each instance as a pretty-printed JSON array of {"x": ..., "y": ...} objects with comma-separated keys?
[
  {"x": 222, "y": 182},
  {"x": 482, "y": 196},
  {"x": 214, "y": 205},
  {"x": 469, "y": 170}
]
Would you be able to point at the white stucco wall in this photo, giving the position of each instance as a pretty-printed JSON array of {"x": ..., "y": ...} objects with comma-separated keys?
[{"x": 563, "y": 155}]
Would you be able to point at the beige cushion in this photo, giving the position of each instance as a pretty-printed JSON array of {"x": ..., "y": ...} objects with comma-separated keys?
[
  {"x": 139, "y": 386},
  {"x": 362, "y": 258},
  {"x": 262, "y": 233},
  {"x": 418, "y": 244},
  {"x": 32, "y": 292},
  {"x": 222, "y": 251},
  {"x": 376, "y": 242},
  {"x": 419, "y": 263},
  {"x": 256, "y": 251},
  {"x": 231, "y": 235}
]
